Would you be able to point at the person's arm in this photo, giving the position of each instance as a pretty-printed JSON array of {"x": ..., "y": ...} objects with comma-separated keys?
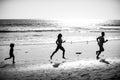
[
  {"x": 97, "y": 39},
  {"x": 105, "y": 41},
  {"x": 63, "y": 41},
  {"x": 57, "y": 41}
]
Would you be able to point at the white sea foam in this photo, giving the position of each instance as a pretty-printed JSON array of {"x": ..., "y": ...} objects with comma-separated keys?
[{"x": 30, "y": 35}]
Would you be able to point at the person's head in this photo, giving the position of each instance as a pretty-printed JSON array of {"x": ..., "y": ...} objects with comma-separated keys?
[
  {"x": 12, "y": 45},
  {"x": 59, "y": 35},
  {"x": 103, "y": 33}
]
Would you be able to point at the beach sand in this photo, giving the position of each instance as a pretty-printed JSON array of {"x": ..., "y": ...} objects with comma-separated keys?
[{"x": 32, "y": 62}]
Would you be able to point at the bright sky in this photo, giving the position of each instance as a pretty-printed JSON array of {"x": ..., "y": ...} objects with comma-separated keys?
[{"x": 66, "y": 10}]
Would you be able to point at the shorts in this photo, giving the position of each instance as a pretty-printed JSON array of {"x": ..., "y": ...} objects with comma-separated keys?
[
  {"x": 101, "y": 47},
  {"x": 11, "y": 55}
]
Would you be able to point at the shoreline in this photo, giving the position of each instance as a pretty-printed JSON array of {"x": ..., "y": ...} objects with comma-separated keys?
[
  {"x": 71, "y": 42},
  {"x": 71, "y": 49}
]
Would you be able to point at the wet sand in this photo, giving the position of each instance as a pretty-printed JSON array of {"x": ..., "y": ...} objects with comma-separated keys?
[{"x": 32, "y": 62}]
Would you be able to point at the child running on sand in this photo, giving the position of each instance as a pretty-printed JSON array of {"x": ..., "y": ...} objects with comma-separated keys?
[
  {"x": 59, "y": 42},
  {"x": 11, "y": 53},
  {"x": 100, "y": 41}
]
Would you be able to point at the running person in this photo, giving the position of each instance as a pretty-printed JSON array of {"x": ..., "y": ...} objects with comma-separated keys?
[
  {"x": 100, "y": 41},
  {"x": 59, "y": 42},
  {"x": 11, "y": 53}
]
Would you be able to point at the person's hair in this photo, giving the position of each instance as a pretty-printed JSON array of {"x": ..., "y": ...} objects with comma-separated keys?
[
  {"x": 12, "y": 45},
  {"x": 59, "y": 35},
  {"x": 102, "y": 33}
]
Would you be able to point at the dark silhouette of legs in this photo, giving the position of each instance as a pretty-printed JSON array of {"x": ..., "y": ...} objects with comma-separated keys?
[
  {"x": 63, "y": 52},
  {"x": 13, "y": 59},
  {"x": 99, "y": 51},
  {"x": 8, "y": 58},
  {"x": 54, "y": 52},
  {"x": 59, "y": 47}
]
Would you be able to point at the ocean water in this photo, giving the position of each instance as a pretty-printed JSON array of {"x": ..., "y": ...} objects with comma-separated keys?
[{"x": 37, "y": 34}]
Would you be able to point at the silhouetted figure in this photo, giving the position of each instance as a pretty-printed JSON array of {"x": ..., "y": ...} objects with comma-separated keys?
[
  {"x": 11, "y": 53},
  {"x": 100, "y": 41},
  {"x": 59, "y": 42}
]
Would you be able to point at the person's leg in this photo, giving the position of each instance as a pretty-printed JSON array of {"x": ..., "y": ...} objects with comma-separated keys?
[
  {"x": 13, "y": 59},
  {"x": 54, "y": 52},
  {"x": 102, "y": 49},
  {"x": 99, "y": 52},
  {"x": 7, "y": 58},
  {"x": 63, "y": 52}
]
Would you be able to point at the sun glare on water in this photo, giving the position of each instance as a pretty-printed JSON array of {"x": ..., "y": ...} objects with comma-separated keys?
[{"x": 80, "y": 22}]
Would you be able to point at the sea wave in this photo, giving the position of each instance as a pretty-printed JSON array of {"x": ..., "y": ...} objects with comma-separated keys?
[
  {"x": 41, "y": 40},
  {"x": 28, "y": 29}
]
